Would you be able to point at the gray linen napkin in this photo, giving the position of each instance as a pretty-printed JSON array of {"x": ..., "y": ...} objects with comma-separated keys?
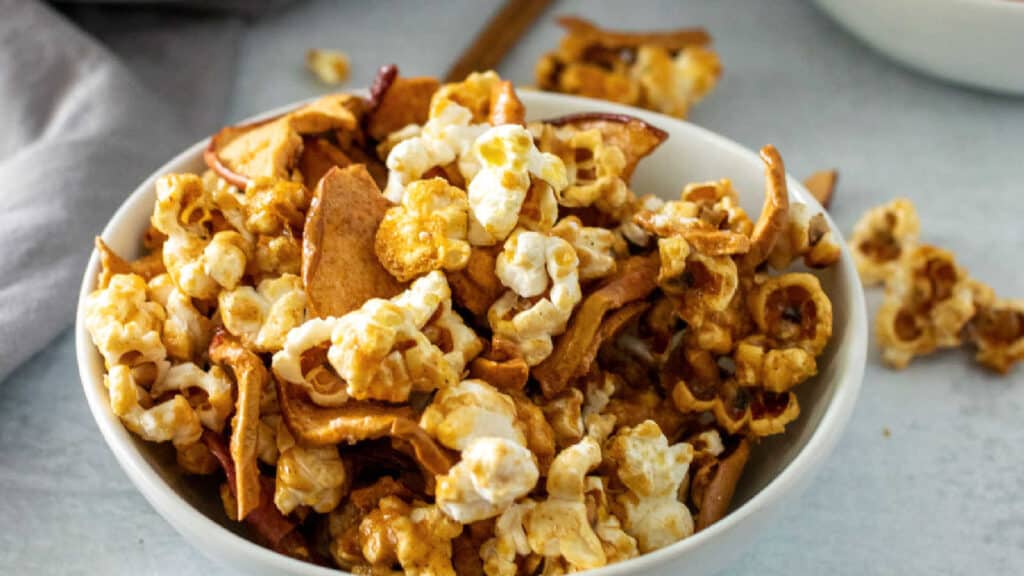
[{"x": 80, "y": 128}]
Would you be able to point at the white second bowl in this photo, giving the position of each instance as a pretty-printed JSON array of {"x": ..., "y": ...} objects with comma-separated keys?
[
  {"x": 979, "y": 43},
  {"x": 780, "y": 467}
]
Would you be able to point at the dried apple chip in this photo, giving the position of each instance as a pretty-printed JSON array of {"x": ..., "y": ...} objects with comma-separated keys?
[
  {"x": 822, "y": 185},
  {"x": 340, "y": 269},
  {"x": 148, "y": 267},
  {"x": 251, "y": 376},
  {"x": 714, "y": 484},
  {"x": 635, "y": 279},
  {"x": 399, "y": 103},
  {"x": 355, "y": 421}
]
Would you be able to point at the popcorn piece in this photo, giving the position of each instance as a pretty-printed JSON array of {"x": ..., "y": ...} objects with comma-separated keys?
[
  {"x": 774, "y": 370},
  {"x": 881, "y": 238},
  {"x": 417, "y": 537},
  {"x": 213, "y": 405},
  {"x": 793, "y": 310},
  {"x": 629, "y": 229},
  {"x": 493, "y": 473},
  {"x": 273, "y": 206},
  {"x": 519, "y": 316},
  {"x": 486, "y": 95},
  {"x": 559, "y": 526},
  {"x": 186, "y": 332},
  {"x": 447, "y": 137},
  {"x": 703, "y": 284},
  {"x": 262, "y": 317},
  {"x": 718, "y": 206},
  {"x": 427, "y": 232},
  {"x": 652, "y": 471},
  {"x": 928, "y": 300},
  {"x": 671, "y": 85},
  {"x": 123, "y": 324},
  {"x": 617, "y": 543},
  {"x": 997, "y": 330},
  {"x": 277, "y": 256},
  {"x": 596, "y": 247},
  {"x": 379, "y": 351},
  {"x": 662, "y": 71},
  {"x": 806, "y": 236},
  {"x": 329, "y": 66},
  {"x": 507, "y": 157},
  {"x": 469, "y": 411},
  {"x": 595, "y": 170},
  {"x": 309, "y": 476},
  {"x": 172, "y": 419},
  {"x": 200, "y": 265},
  {"x": 499, "y": 553}
]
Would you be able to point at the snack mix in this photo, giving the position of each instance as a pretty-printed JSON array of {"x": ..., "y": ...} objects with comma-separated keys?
[
  {"x": 931, "y": 302},
  {"x": 416, "y": 333},
  {"x": 662, "y": 71}
]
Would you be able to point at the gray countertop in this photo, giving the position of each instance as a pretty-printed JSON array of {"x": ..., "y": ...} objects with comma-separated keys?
[{"x": 941, "y": 494}]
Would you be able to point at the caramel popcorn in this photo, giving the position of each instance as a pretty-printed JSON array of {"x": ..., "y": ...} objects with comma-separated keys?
[
  {"x": 426, "y": 232},
  {"x": 186, "y": 331},
  {"x": 262, "y": 317},
  {"x": 447, "y": 137},
  {"x": 508, "y": 159},
  {"x": 172, "y": 419},
  {"x": 379, "y": 352},
  {"x": 329, "y": 66},
  {"x": 309, "y": 476},
  {"x": 417, "y": 537},
  {"x": 124, "y": 324},
  {"x": 663, "y": 71},
  {"x": 597, "y": 248},
  {"x": 535, "y": 266},
  {"x": 652, "y": 472},
  {"x": 881, "y": 238},
  {"x": 997, "y": 331},
  {"x": 493, "y": 473},
  {"x": 928, "y": 301},
  {"x": 489, "y": 366}
]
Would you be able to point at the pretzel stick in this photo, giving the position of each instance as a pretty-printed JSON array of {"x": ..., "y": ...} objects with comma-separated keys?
[{"x": 497, "y": 38}]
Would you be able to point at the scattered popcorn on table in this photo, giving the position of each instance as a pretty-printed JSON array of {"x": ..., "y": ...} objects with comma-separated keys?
[{"x": 329, "y": 66}]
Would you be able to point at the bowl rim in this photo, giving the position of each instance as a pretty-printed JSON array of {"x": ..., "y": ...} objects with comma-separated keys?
[{"x": 203, "y": 532}]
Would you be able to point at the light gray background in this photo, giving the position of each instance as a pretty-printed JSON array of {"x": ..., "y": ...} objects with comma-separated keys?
[{"x": 944, "y": 494}]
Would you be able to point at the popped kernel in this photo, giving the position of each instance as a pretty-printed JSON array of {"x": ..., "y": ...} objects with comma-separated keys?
[
  {"x": 378, "y": 352},
  {"x": 447, "y": 137},
  {"x": 329, "y": 66},
  {"x": 426, "y": 232},
  {"x": 418, "y": 537},
  {"x": 652, "y": 471},
  {"x": 493, "y": 473},
  {"x": 597, "y": 248},
  {"x": 928, "y": 301},
  {"x": 508, "y": 159},
  {"x": 881, "y": 238},
  {"x": 309, "y": 476},
  {"x": 595, "y": 169},
  {"x": 171, "y": 420},
  {"x": 124, "y": 324},
  {"x": 997, "y": 331},
  {"x": 186, "y": 332},
  {"x": 216, "y": 402},
  {"x": 471, "y": 410},
  {"x": 262, "y": 317},
  {"x": 529, "y": 322}
]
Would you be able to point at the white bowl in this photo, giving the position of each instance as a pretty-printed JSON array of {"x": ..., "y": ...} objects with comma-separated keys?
[
  {"x": 975, "y": 42},
  {"x": 780, "y": 467}
]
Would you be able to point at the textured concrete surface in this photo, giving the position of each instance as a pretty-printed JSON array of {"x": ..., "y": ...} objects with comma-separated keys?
[{"x": 940, "y": 495}]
